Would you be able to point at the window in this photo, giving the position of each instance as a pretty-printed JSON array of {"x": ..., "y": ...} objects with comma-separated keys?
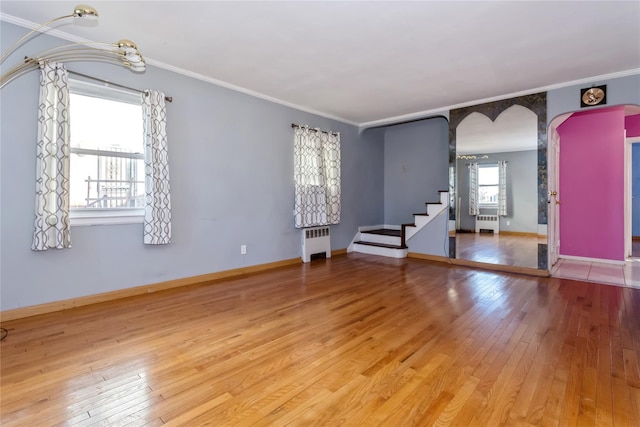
[
  {"x": 107, "y": 183},
  {"x": 488, "y": 184},
  {"x": 316, "y": 177}
]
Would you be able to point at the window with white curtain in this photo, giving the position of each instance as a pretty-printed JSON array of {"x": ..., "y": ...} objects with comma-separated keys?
[
  {"x": 316, "y": 177},
  {"x": 107, "y": 182},
  {"x": 488, "y": 185}
]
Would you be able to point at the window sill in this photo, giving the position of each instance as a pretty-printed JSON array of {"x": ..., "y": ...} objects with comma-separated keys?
[{"x": 88, "y": 217}]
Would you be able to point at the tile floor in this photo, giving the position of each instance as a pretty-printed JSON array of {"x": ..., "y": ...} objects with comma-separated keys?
[{"x": 611, "y": 274}]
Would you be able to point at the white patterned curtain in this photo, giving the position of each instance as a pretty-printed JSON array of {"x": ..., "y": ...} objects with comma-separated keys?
[
  {"x": 157, "y": 209},
  {"x": 502, "y": 188},
  {"x": 317, "y": 177},
  {"x": 331, "y": 153},
  {"x": 51, "y": 225},
  {"x": 473, "y": 189}
]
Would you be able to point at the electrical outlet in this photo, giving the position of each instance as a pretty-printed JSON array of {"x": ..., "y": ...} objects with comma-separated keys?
[
  {"x": 243, "y": 249},
  {"x": 508, "y": 222}
]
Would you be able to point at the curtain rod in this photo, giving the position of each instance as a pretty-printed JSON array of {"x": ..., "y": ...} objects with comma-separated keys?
[
  {"x": 167, "y": 98},
  {"x": 293, "y": 125}
]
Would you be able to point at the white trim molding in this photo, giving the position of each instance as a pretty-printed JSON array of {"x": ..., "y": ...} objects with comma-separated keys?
[
  {"x": 598, "y": 260},
  {"x": 362, "y": 126},
  {"x": 84, "y": 217}
]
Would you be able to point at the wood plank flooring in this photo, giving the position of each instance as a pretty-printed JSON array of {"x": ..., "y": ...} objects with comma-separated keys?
[
  {"x": 356, "y": 340},
  {"x": 502, "y": 249}
]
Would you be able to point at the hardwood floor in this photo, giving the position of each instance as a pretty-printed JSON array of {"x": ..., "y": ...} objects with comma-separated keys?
[
  {"x": 502, "y": 249},
  {"x": 355, "y": 340}
]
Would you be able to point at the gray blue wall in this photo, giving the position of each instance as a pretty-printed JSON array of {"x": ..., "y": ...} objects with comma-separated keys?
[
  {"x": 522, "y": 191},
  {"x": 415, "y": 167},
  {"x": 433, "y": 239},
  {"x": 231, "y": 160},
  {"x": 231, "y": 168}
]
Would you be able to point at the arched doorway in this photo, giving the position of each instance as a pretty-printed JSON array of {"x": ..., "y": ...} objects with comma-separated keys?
[{"x": 589, "y": 186}]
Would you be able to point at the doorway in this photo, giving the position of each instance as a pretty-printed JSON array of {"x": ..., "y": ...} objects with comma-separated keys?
[
  {"x": 610, "y": 234},
  {"x": 634, "y": 202}
]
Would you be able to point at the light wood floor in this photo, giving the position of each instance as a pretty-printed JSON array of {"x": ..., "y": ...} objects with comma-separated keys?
[
  {"x": 356, "y": 340},
  {"x": 502, "y": 249}
]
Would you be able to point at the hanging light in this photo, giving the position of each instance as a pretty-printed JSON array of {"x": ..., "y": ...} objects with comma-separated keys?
[
  {"x": 84, "y": 11},
  {"x": 133, "y": 57},
  {"x": 123, "y": 52},
  {"x": 127, "y": 46},
  {"x": 80, "y": 11}
]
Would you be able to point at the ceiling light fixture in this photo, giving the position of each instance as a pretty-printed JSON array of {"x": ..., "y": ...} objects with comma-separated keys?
[
  {"x": 123, "y": 52},
  {"x": 470, "y": 157},
  {"x": 80, "y": 11}
]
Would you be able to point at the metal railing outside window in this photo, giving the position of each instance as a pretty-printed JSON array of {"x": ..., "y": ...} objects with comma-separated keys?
[{"x": 116, "y": 178}]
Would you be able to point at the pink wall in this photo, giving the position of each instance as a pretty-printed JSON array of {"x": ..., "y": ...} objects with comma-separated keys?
[
  {"x": 632, "y": 124},
  {"x": 592, "y": 184}
]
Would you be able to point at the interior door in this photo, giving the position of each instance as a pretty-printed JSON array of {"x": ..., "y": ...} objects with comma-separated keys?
[
  {"x": 553, "y": 229},
  {"x": 627, "y": 197}
]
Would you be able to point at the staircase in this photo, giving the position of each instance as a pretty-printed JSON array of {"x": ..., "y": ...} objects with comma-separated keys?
[
  {"x": 385, "y": 241},
  {"x": 391, "y": 240}
]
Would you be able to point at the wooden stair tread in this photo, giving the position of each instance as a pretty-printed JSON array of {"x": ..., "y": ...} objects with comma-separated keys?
[
  {"x": 382, "y": 245},
  {"x": 383, "y": 232}
]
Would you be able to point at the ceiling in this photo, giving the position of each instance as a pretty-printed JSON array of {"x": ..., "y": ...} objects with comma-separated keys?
[
  {"x": 369, "y": 63},
  {"x": 515, "y": 129}
]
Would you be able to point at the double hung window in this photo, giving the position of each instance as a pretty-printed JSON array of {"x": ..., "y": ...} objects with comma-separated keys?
[
  {"x": 488, "y": 185},
  {"x": 107, "y": 183}
]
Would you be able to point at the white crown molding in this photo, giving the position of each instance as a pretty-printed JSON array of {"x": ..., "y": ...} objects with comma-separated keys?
[
  {"x": 438, "y": 111},
  {"x": 70, "y": 37},
  {"x": 361, "y": 126},
  {"x": 246, "y": 91},
  {"x": 49, "y": 30}
]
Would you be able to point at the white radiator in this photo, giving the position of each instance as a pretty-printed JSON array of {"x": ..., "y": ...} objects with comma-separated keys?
[
  {"x": 315, "y": 240},
  {"x": 488, "y": 222}
]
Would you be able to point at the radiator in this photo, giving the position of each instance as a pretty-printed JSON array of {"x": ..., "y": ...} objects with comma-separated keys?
[
  {"x": 488, "y": 223},
  {"x": 315, "y": 240}
]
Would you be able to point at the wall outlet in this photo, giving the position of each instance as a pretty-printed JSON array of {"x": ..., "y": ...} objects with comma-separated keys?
[
  {"x": 243, "y": 249},
  {"x": 508, "y": 222}
]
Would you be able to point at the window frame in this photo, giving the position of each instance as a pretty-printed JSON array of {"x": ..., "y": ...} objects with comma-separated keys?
[
  {"x": 496, "y": 185},
  {"x": 105, "y": 216}
]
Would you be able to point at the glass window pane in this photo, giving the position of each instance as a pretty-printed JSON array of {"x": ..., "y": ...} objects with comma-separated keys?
[
  {"x": 102, "y": 124},
  {"x": 488, "y": 195},
  {"x": 488, "y": 175},
  {"x": 106, "y": 182}
]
